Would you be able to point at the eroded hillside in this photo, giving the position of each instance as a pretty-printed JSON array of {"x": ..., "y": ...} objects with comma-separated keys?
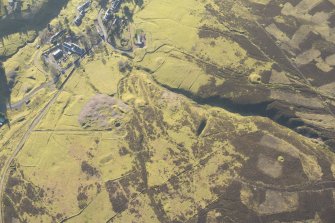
[
  {"x": 248, "y": 62},
  {"x": 184, "y": 111}
]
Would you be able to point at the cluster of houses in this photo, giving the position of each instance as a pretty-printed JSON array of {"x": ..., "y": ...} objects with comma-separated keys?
[
  {"x": 60, "y": 56},
  {"x": 111, "y": 19},
  {"x": 81, "y": 12},
  {"x": 67, "y": 48},
  {"x": 63, "y": 46},
  {"x": 109, "y": 14}
]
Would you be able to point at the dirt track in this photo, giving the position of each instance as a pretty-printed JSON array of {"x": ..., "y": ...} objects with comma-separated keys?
[{"x": 34, "y": 123}]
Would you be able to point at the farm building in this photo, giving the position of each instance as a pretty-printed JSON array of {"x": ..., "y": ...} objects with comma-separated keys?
[
  {"x": 57, "y": 54},
  {"x": 84, "y": 6},
  {"x": 73, "y": 48},
  {"x": 140, "y": 38}
]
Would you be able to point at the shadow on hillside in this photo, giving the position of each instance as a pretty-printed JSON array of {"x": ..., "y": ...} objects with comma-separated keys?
[
  {"x": 21, "y": 24},
  {"x": 4, "y": 91}
]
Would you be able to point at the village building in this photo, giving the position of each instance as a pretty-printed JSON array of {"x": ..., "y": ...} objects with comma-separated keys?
[
  {"x": 84, "y": 6},
  {"x": 116, "y": 19},
  {"x": 82, "y": 10},
  {"x": 108, "y": 15},
  {"x": 57, "y": 54},
  {"x": 78, "y": 20},
  {"x": 140, "y": 38},
  {"x": 54, "y": 38},
  {"x": 116, "y": 5},
  {"x": 73, "y": 48}
]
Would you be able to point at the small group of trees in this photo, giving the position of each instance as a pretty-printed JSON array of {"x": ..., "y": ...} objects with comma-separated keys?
[
  {"x": 139, "y": 2},
  {"x": 103, "y": 3},
  {"x": 124, "y": 66},
  {"x": 128, "y": 13},
  {"x": 44, "y": 36}
]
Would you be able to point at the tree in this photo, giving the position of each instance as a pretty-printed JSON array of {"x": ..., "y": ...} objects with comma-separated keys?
[
  {"x": 103, "y": 3},
  {"x": 88, "y": 30},
  {"x": 103, "y": 61},
  {"x": 54, "y": 73},
  {"x": 106, "y": 50},
  {"x": 66, "y": 21},
  {"x": 71, "y": 33},
  {"x": 124, "y": 66},
  {"x": 44, "y": 37},
  {"x": 139, "y": 2},
  {"x": 128, "y": 13}
]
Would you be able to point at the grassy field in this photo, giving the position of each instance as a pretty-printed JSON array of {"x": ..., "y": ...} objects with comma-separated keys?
[
  {"x": 10, "y": 44},
  {"x": 118, "y": 146},
  {"x": 25, "y": 71},
  {"x": 106, "y": 170},
  {"x": 183, "y": 61}
]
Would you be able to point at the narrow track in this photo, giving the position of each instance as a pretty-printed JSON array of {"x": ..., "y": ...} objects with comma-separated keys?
[{"x": 34, "y": 123}]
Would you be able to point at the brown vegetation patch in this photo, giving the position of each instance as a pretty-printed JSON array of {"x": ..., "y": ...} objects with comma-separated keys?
[
  {"x": 27, "y": 206},
  {"x": 230, "y": 207},
  {"x": 317, "y": 76},
  {"x": 324, "y": 6},
  {"x": 82, "y": 200},
  {"x": 292, "y": 170},
  {"x": 248, "y": 46},
  {"x": 205, "y": 32},
  {"x": 10, "y": 214},
  {"x": 133, "y": 184},
  {"x": 89, "y": 169},
  {"x": 116, "y": 196}
]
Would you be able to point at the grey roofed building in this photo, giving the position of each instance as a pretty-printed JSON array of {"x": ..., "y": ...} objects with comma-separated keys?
[
  {"x": 140, "y": 39},
  {"x": 73, "y": 48},
  {"x": 81, "y": 15},
  {"x": 115, "y": 5},
  {"x": 108, "y": 15},
  {"x": 57, "y": 35},
  {"x": 84, "y": 6},
  {"x": 57, "y": 54},
  {"x": 78, "y": 20},
  {"x": 67, "y": 46},
  {"x": 116, "y": 19}
]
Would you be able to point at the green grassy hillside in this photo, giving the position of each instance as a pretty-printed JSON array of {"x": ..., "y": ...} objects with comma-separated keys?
[{"x": 213, "y": 119}]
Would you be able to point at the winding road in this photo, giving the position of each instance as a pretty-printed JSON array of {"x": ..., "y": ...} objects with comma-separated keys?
[
  {"x": 105, "y": 34},
  {"x": 25, "y": 99}
]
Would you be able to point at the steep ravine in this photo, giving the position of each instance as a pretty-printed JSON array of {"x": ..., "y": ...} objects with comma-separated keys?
[
  {"x": 4, "y": 90},
  {"x": 273, "y": 109}
]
